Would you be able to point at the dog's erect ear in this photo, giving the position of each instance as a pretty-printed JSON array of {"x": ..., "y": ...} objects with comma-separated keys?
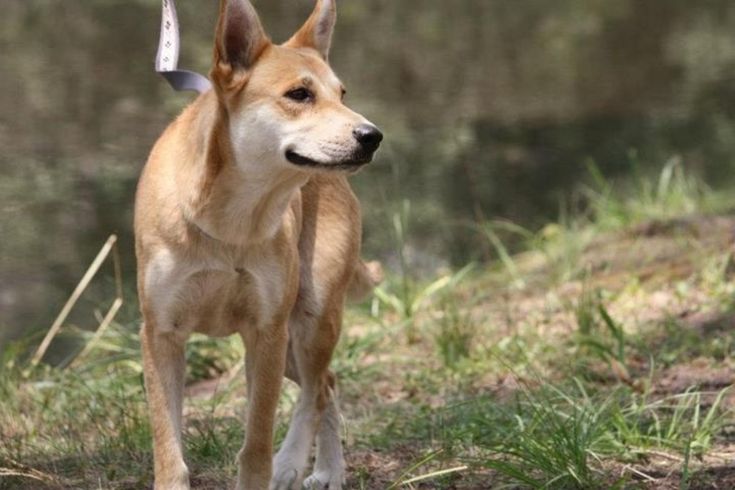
[
  {"x": 239, "y": 41},
  {"x": 317, "y": 32}
]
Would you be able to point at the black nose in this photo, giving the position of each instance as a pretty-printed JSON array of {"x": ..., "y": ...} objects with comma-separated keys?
[{"x": 369, "y": 137}]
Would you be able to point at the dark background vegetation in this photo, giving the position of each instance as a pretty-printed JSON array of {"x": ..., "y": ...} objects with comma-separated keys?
[{"x": 492, "y": 109}]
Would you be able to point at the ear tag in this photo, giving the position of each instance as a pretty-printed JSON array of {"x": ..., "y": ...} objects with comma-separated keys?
[{"x": 167, "y": 58}]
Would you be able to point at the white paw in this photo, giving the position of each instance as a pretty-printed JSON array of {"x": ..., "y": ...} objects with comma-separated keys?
[
  {"x": 285, "y": 478},
  {"x": 324, "y": 481}
]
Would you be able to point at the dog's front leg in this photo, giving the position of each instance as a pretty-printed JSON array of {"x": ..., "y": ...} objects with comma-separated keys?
[
  {"x": 164, "y": 368},
  {"x": 265, "y": 363}
]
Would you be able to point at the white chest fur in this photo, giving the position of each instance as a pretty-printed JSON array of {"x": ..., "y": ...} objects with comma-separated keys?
[{"x": 219, "y": 291}]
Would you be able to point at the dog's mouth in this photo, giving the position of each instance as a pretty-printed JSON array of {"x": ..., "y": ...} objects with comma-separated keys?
[{"x": 352, "y": 164}]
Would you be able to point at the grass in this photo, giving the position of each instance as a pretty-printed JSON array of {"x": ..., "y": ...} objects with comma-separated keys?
[
  {"x": 456, "y": 332},
  {"x": 596, "y": 353},
  {"x": 565, "y": 437}
]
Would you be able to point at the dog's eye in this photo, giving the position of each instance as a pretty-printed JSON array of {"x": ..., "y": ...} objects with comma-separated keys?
[
  {"x": 344, "y": 92},
  {"x": 299, "y": 94}
]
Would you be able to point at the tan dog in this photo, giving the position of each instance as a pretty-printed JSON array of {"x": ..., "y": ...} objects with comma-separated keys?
[{"x": 245, "y": 223}]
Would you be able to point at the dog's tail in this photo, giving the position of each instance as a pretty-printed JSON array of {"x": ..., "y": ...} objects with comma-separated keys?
[{"x": 367, "y": 275}]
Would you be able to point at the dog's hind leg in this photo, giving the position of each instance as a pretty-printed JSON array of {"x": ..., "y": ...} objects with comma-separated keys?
[
  {"x": 312, "y": 341},
  {"x": 329, "y": 248},
  {"x": 329, "y": 469},
  {"x": 164, "y": 366}
]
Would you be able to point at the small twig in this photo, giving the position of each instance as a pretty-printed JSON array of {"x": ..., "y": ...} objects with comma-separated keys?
[
  {"x": 420, "y": 463},
  {"x": 116, "y": 305},
  {"x": 24, "y": 471},
  {"x": 6, "y": 472},
  {"x": 100, "y": 330},
  {"x": 83, "y": 283},
  {"x": 434, "y": 474},
  {"x": 726, "y": 456},
  {"x": 639, "y": 473}
]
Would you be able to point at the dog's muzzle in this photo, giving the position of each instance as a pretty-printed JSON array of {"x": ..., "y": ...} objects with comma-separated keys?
[{"x": 369, "y": 138}]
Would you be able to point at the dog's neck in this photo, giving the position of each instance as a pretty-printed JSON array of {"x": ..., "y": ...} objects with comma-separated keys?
[{"x": 239, "y": 203}]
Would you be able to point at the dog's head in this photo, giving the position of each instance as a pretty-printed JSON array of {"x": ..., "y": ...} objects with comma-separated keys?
[{"x": 283, "y": 103}]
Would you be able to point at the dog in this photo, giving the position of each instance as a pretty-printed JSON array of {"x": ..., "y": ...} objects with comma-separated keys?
[{"x": 245, "y": 224}]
